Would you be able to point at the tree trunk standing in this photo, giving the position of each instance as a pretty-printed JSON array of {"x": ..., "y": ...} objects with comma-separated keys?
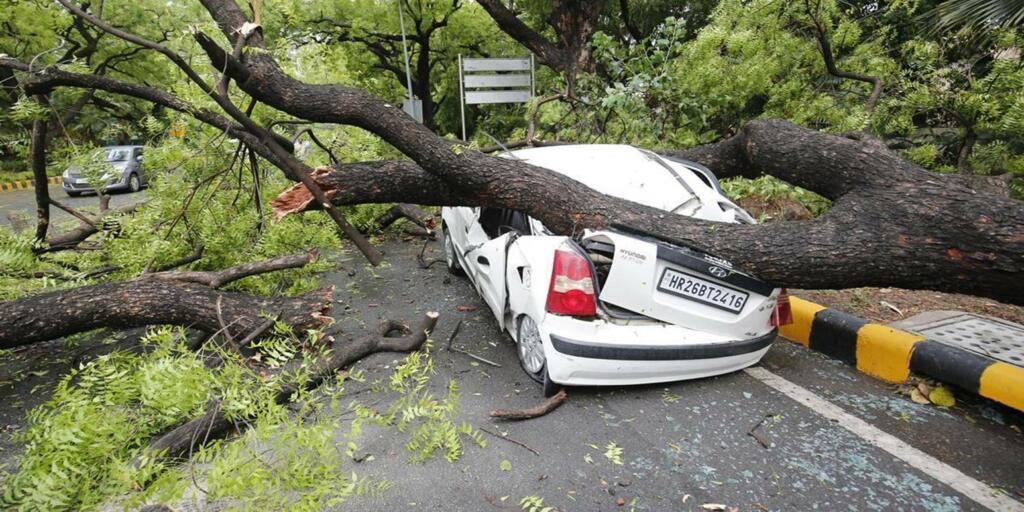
[
  {"x": 422, "y": 83},
  {"x": 631, "y": 27},
  {"x": 963, "y": 156},
  {"x": 39, "y": 178},
  {"x": 575, "y": 22}
]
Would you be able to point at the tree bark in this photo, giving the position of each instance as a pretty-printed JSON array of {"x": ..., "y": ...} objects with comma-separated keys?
[
  {"x": 188, "y": 299},
  {"x": 39, "y": 178},
  {"x": 574, "y": 23},
  {"x": 892, "y": 223},
  {"x": 145, "y": 301}
]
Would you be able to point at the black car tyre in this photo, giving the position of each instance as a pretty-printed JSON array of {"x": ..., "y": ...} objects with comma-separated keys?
[
  {"x": 450, "y": 260},
  {"x": 550, "y": 386},
  {"x": 134, "y": 185}
]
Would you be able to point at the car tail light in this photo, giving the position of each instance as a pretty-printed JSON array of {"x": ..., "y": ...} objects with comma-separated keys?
[
  {"x": 572, "y": 285},
  {"x": 783, "y": 314}
]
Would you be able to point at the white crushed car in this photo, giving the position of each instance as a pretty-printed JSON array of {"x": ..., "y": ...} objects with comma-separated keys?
[{"x": 614, "y": 307}]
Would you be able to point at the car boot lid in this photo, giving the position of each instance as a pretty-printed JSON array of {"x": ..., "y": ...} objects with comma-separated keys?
[{"x": 682, "y": 286}]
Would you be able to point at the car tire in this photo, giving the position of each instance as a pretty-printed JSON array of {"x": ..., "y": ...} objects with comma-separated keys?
[
  {"x": 551, "y": 387},
  {"x": 134, "y": 185},
  {"x": 72, "y": 193},
  {"x": 450, "y": 259},
  {"x": 527, "y": 344}
]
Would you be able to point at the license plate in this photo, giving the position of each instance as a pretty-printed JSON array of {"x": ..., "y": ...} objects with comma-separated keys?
[
  {"x": 81, "y": 182},
  {"x": 694, "y": 288}
]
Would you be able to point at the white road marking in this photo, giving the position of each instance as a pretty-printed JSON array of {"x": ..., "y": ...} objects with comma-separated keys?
[{"x": 981, "y": 493}]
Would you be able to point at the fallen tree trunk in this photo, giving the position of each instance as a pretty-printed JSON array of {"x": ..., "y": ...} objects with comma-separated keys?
[
  {"x": 187, "y": 299},
  {"x": 215, "y": 424},
  {"x": 149, "y": 301},
  {"x": 891, "y": 224}
]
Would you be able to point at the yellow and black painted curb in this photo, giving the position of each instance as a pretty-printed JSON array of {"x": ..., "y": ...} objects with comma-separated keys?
[
  {"x": 26, "y": 184},
  {"x": 891, "y": 354}
]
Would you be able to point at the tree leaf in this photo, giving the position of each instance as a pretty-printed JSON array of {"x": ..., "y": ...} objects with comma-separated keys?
[
  {"x": 918, "y": 397},
  {"x": 942, "y": 397}
]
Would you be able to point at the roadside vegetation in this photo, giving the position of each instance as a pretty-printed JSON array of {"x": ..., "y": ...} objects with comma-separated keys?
[{"x": 667, "y": 77}]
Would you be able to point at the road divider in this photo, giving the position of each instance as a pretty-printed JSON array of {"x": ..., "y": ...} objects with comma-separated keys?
[
  {"x": 892, "y": 354},
  {"x": 26, "y": 184}
]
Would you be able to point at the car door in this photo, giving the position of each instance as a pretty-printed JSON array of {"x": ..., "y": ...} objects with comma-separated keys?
[
  {"x": 137, "y": 163},
  {"x": 485, "y": 264},
  {"x": 488, "y": 264},
  {"x": 457, "y": 221}
]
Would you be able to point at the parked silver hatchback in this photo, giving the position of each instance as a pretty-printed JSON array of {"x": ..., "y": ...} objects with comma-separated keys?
[{"x": 125, "y": 173}]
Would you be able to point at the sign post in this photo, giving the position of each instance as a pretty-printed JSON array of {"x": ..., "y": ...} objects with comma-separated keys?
[{"x": 489, "y": 81}]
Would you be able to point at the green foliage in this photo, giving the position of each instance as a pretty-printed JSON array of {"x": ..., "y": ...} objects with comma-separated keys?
[
  {"x": 99, "y": 416},
  {"x": 534, "y": 504},
  {"x": 771, "y": 188},
  {"x": 103, "y": 414},
  {"x": 431, "y": 420}
]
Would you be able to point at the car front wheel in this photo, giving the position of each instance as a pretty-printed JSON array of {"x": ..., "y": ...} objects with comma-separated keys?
[{"x": 134, "y": 185}]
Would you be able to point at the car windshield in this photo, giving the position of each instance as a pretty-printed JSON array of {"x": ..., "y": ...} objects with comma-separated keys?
[{"x": 117, "y": 155}]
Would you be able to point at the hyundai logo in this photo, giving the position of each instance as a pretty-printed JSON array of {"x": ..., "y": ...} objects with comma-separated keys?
[{"x": 718, "y": 271}]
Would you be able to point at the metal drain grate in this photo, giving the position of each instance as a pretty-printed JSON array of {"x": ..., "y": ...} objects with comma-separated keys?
[{"x": 987, "y": 336}]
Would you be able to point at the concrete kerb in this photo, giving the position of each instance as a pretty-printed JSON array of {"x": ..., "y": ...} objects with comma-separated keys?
[
  {"x": 27, "y": 184},
  {"x": 891, "y": 354}
]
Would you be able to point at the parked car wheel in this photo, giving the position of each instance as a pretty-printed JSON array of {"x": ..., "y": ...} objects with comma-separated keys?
[
  {"x": 450, "y": 260},
  {"x": 134, "y": 185},
  {"x": 72, "y": 193},
  {"x": 531, "y": 349}
]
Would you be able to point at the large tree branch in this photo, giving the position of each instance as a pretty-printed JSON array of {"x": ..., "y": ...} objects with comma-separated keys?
[
  {"x": 547, "y": 52},
  {"x": 163, "y": 298},
  {"x": 43, "y": 81},
  {"x": 948, "y": 238},
  {"x": 224, "y": 277},
  {"x": 148, "y": 301}
]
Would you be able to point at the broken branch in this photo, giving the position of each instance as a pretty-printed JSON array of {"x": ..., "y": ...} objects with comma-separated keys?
[
  {"x": 215, "y": 424},
  {"x": 533, "y": 412}
]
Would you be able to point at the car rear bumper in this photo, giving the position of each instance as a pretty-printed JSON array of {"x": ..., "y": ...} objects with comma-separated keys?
[{"x": 600, "y": 361}]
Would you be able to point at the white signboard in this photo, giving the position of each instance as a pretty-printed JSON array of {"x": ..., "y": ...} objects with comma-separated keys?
[{"x": 490, "y": 81}]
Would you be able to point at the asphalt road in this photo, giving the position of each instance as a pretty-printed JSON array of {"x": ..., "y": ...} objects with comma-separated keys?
[
  {"x": 22, "y": 203},
  {"x": 684, "y": 445}
]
